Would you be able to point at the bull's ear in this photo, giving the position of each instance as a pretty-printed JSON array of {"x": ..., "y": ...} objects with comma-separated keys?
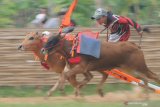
[{"x": 38, "y": 35}]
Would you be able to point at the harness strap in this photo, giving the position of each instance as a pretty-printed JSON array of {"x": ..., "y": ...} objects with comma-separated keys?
[
  {"x": 46, "y": 57},
  {"x": 35, "y": 55},
  {"x": 36, "y": 58}
]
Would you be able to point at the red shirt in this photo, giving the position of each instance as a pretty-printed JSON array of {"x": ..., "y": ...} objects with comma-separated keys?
[{"x": 119, "y": 27}]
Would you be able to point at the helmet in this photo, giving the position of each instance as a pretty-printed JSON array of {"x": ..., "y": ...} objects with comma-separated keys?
[{"x": 99, "y": 13}]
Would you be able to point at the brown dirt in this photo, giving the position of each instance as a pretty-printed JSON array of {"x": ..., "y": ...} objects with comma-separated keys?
[{"x": 109, "y": 97}]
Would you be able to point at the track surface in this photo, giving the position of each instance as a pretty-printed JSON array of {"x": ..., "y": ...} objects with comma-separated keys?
[{"x": 109, "y": 97}]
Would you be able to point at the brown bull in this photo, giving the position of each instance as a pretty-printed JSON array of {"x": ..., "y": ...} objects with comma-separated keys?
[
  {"x": 33, "y": 42},
  {"x": 122, "y": 55}
]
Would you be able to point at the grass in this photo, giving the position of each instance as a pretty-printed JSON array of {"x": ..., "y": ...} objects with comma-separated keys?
[
  {"x": 83, "y": 104},
  {"x": 31, "y": 91},
  {"x": 67, "y": 104}
]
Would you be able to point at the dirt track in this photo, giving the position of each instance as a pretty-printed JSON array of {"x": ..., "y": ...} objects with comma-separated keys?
[{"x": 109, "y": 97}]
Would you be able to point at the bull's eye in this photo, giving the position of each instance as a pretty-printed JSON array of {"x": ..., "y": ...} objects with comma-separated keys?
[{"x": 31, "y": 38}]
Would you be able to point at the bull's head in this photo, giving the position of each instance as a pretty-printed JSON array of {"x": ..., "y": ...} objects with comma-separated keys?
[{"x": 31, "y": 42}]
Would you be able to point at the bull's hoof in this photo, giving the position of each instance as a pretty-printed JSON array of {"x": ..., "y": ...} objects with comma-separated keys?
[
  {"x": 125, "y": 103},
  {"x": 80, "y": 86},
  {"x": 49, "y": 94},
  {"x": 101, "y": 93},
  {"x": 63, "y": 93},
  {"x": 78, "y": 94}
]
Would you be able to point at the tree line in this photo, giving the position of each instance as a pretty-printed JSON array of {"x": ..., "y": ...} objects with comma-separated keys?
[{"x": 18, "y": 13}]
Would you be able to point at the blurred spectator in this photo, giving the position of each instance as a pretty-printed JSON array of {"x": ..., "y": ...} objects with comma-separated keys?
[
  {"x": 40, "y": 18},
  {"x": 61, "y": 16},
  {"x": 53, "y": 22}
]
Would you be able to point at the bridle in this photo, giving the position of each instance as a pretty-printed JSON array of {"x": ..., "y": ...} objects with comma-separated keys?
[{"x": 60, "y": 43}]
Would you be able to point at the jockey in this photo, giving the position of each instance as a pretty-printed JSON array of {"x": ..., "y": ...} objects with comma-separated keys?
[{"x": 118, "y": 25}]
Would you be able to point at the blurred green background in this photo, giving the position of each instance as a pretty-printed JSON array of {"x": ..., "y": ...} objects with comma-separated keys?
[{"x": 18, "y": 13}]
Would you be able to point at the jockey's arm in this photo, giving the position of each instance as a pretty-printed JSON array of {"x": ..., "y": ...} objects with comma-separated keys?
[{"x": 132, "y": 23}]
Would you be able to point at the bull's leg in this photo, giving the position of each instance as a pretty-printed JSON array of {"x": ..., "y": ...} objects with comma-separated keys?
[
  {"x": 146, "y": 87},
  {"x": 49, "y": 93},
  {"x": 62, "y": 85},
  {"x": 75, "y": 84},
  {"x": 78, "y": 69},
  {"x": 100, "y": 85},
  {"x": 88, "y": 77},
  {"x": 137, "y": 62},
  {"x": 79, "y": 85},
  {"x": 152, "y": 76},
  {"x": 139, "y": 73},
  {"x": 71, "y": 80},
  {"x": 147, "y": 73}
]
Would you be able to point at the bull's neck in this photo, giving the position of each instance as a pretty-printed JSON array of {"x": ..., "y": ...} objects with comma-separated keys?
[
  {"x": 39, "y": 55},
  {"x": 66, "y": 48},
  {"x": 37, "y": 52}
]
